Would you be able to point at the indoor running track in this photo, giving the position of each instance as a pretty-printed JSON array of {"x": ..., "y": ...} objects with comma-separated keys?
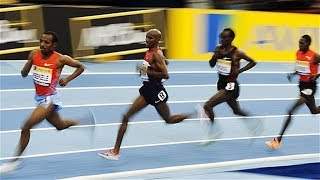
[{"x": 152, "y": 149}]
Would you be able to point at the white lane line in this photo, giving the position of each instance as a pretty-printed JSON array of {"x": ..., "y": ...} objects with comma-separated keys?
[
  {"x": 170, "y": 72},
  {"x": 136, "y": 87},
  {"x": 170, "y": 102},
  {"x": 161, "y": 121},
  {"x": 126, "y": 174},
  {"x": 154, "y": 145}
]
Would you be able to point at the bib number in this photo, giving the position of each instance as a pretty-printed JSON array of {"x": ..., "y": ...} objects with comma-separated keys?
[
  {"x": 143, "y": 71},
  {"x": 42, "y": 75},
  {"x": 162, "y": 95},
  {"x": 307, "y": 92},
  {"x": 224, "y": 66},
  {"x": 303, "y": 67},
  {"x": 230, "y": 86}
]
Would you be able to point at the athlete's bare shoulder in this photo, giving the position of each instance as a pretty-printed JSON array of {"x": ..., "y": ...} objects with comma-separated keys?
[
  {"x": 32, "y": 54},
  {"x": 239, "y": 53},
  {"x": 64, "y": 58},
  {"x": 160, "y": 52}
]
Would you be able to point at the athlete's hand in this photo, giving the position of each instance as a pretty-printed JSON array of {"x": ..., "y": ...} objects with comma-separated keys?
[
  {"x": 138, "y": 69},
  {"x": 289, "y": 76},
  {"x": 141, "y": 69},
  {"x": 63, "y": 82},
  {"x": 235, "y": 72},
  {"x": 218, "y": 55}
]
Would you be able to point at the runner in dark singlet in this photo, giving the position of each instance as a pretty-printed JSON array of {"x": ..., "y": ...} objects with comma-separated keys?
[
  {"x": 226, "y": 59},
  {"x": 152, "y": 72}
]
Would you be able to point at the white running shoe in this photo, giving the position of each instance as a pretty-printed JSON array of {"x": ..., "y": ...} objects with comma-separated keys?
[
  {"x": 92, "y": 123},
  {"x": 203, "y": 118},
  {"x": 212, "y": 138},
  {"x": 201, "y": 113},
  {"x": 110, "y": 155},
  {"x": 212, "y": 130},
  {"x": 9, "y": 167}
]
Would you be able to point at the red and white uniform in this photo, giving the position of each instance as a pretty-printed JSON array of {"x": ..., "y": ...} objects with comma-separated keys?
[
  {"x": 305, "y": 66},
  {"x": 45, "y": 75}
]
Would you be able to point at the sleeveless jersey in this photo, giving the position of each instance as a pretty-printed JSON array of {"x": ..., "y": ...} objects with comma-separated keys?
[
  {"x": 304, "y": 65},
  {"x": 146, "y": 64},
  {"x": 225, "y": 66},
  {"x": 45, "y": 75}
]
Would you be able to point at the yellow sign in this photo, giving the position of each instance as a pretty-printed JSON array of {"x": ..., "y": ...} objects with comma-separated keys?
[{"x": 264, "y": 36}]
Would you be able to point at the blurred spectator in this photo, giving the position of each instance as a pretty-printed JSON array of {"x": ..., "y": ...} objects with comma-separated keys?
[
  {"x": 312, "y": 6},
  {"x": 120, "y": 3},
  {"x": 198, "y": 3},
  {"x": 280, "y": 4},
  {"x": 231, "y": 4},
  {"x": 306, "y": 6}
]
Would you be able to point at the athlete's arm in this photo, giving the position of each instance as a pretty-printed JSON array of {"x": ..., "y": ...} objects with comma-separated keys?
[
  {"x": 67, "y": 60},
  {"x": 251, "y": 63},
  {"x": 161, "y": 64},
  {"x": 290, "y": 75},
  {"x": 316, "y": 60},
  {"x": 215, "y": 56},
  {"x": 165, "y": 58},
  {"x": 26, "y": 69}
]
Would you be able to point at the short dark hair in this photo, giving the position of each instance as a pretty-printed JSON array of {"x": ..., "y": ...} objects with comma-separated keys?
[
  {"x": 307, "y": 38},
  {"x": 232, "y": 34},
  {"x": 53, "y": 34}
]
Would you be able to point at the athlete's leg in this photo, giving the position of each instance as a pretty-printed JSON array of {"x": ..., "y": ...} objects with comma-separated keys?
[
  {"x": 233, "y": 103},
  {"x": 219, "y": 97},
  {"x": 55, "y": 119},
  {"x": 137, "y": 105},
  {"x": 164, "y": 112},
  {"x": 38, "y": 115},
  {"x": 298, "y": 103},
  {"x": 312, "y": 106}
]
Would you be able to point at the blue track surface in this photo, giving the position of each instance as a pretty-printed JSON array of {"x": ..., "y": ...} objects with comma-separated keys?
[{"x": 150, "y": 143}]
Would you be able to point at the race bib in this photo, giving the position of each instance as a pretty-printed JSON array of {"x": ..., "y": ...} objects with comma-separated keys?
[
  {"x": 42, "y": 75},
  {"x": 307, "y": 92},
  {"x": 230, "y": 86},
  {"x": 162, "y": 95},
  {"x": 223, "y": 66},
  {"x": 303, "y": 67},
  {"x": 143, "y": 71}
]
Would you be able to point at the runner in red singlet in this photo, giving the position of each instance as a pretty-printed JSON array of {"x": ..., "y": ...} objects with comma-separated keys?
[
  {"x": 307, "y": 65},
  {"x": 47, "y": 66}
]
